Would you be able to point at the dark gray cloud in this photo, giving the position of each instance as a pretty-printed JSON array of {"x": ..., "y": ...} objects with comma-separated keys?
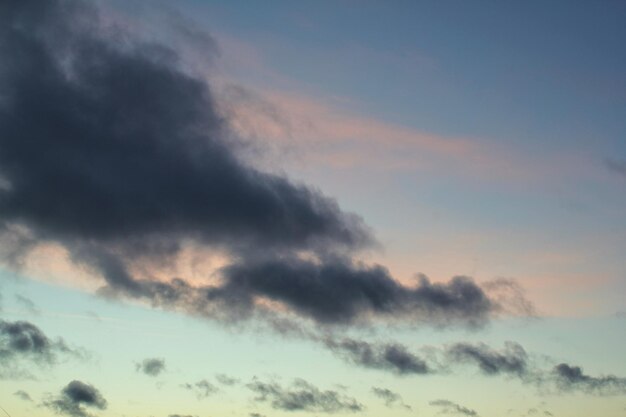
[
  {"x": 23, "y": 343},
  {"x": 342, "y": 292},
  {"x": 140, "y": 167},
  {"x": 616, "y": 166},
  {"x": 202, "y": 388},
  {"x": 513, "y": 359},
  {"x": 132, "y": 155},
  {"x": 23, "y": 395},
  {"x": 134, "y": 160},
  {"x": 151, "y": 366},
  {"x": 303, "y": 396},
  {"x": 449, "y": 407},
  {"x": 76, "y": 398},
  {"x": 572, "y": 378},
  {"x": 393, "y": 357},
  {"x": 389, "y": 397}
]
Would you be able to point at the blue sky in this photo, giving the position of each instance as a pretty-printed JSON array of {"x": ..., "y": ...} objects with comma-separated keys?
[{"x": 477, "y": 139}]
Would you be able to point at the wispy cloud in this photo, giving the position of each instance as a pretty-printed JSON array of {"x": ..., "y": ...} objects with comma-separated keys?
[
  {"x": 23, "y": 395},
  {"x": 202, "y": 388},
  {"x": 303, "y": 396},
  {"x": 616, "y": 166},
  {"x": 449, "y": 407},
  {"x": 390, "y": 398}
]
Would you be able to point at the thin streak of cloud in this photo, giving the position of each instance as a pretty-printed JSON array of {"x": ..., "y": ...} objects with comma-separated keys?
[{"x": 449, "y": 407}]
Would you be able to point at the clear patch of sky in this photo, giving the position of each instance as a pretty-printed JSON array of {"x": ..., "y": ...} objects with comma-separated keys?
[{"x": 546, "y": 73}]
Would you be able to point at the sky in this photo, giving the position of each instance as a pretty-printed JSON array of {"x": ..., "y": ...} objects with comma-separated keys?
[{"x": 278, "y": 208}]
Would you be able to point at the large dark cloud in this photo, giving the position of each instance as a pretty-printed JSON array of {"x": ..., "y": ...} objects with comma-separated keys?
[
  {"x": 123, "y": 151},
  {"x": 570, "y": 378},
  {"x": 513, "y": 359},
  {"x": 303, "y": 396},
  {"x": 130, "y": 148},
  {"x": 111, "y": 149},
  {"x": 392, "y": 357},
  {"x": 76, "y": 398},
  {"x": 23, "y": 343}
]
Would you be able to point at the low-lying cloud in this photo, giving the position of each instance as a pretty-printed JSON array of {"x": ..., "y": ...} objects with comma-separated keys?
[
  {"x": 449, "y": 407},
  {"x": 76, "y": 399},
  {"x": 390, "y": 398},
  {"x": 303, "y": 396},
  {"x": 573, "y": 378},
  {"x": 202, "y": 389}
]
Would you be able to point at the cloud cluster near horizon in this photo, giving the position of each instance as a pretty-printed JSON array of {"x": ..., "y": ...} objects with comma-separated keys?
[{"x": 75, "y": 400}]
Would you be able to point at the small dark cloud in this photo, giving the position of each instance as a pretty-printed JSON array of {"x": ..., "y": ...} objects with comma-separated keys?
[
  {"x": 76, "y": 398},
  {"x": 571, "y": 378},
  {"x": 303, "y": 396},
  {"x": 513, "y": 359},
  {"x": 226, "y": 380},
  {"x": 151, "y": 366},
  {"x": 23, "y": 395},
  {"x": 22, "y": 343},
  {"x": 389, "y": 397},
  {"x": 392, "y": 357},
  {"x": 449, "y": 407},
  {"x": 202, "y": 388},
  {"x": 256, "y": 415},
  {"x": 616, "y": 166}
]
